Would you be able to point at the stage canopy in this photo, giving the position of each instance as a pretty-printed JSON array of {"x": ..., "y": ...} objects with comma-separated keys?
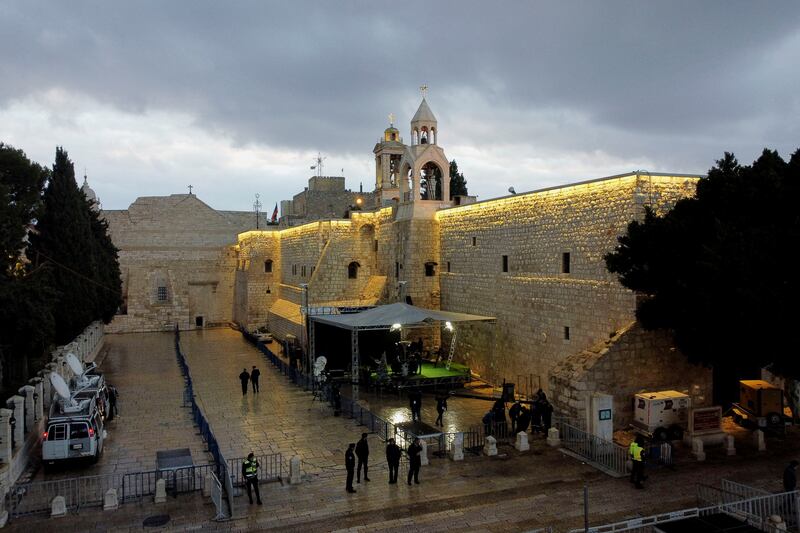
[{"x": 385, "y": 316}]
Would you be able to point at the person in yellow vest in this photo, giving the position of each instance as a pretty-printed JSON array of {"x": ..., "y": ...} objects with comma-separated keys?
[
  {"x": 637, "y": 456},
  {"x": 250, "y": 474}
]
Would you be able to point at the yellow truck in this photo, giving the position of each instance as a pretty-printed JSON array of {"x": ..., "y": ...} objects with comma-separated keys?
[{"x": 760, "y": 404}]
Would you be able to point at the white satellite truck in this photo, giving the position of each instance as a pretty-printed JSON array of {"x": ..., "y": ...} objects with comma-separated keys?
[
  {"x": 661, "y": 415},
  {"x": 75, "y": 427}
]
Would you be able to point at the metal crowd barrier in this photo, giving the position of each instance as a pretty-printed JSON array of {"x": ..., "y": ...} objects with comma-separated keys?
[
  {"x": 88, "y": 491},
  {"x": 271, "y": 468},
  {"x": 607, "y": 455}
]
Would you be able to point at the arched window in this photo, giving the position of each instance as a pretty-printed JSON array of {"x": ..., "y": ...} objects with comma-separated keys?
[
  {"x": 352, "y": 270},
  {"x": 268, "y": 266}
]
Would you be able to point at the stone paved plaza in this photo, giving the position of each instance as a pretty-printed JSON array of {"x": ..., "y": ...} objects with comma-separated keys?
[{"x": 510, "y": 492}]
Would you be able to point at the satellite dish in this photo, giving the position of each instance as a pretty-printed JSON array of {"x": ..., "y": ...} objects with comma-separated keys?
[
  {"x": 74, "y": 364},
  {"x": 62, "y": 389},
  {"x": 319, "y": 365},
  {"x": 511, "y": 190}
]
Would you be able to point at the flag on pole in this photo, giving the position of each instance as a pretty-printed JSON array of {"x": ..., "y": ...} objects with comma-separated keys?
[{"x": 275, "y": 213}]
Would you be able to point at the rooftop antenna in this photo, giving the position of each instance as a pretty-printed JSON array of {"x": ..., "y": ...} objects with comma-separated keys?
[
  {"x": 318, "y": 164},
  {"x": 68, "y": 403},
  {"x": 256, "y": 207}
]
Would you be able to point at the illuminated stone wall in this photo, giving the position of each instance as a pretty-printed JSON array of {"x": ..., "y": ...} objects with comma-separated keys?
[
  {"x": 256, "y": 288},
  {"x": 534, "y": 301},
  {"x": 631, "y": 362}
]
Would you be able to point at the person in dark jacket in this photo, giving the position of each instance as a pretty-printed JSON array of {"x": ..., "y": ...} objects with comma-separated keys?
[
  {"x": 415, "y": 403},
  {"x": 487, "y": 420},
  {"x": 112, "y": 402},
  {"x": 790, "y": 477},
  {"x": 250, "y": 474},
  {"x": 414, "y": 461},
  {"x": 499, "y": 417},
  {"x": 441, "y": 407},
  {"x": 244, "y": 377},
  {"x": 362, "y": 452},
  {"x": 513, "y": 414},
  {"x": 393, "y": 454},
  {"x": 254, "y": 375},
  {"x": 350, "y": 465},
  {"x": 523, "y": 420},
  {"x": 547, "y": 415}
]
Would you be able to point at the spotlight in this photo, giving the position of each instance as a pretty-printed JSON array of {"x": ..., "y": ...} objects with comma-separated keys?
[
  {"x": 395, "y": 327},
  {"x": 448, "y": 326}
]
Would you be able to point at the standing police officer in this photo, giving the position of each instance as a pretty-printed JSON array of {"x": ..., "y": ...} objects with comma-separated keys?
[
  {"x": 415, "y": 461},
  {"x": 250, "y": 474},
  {"x": 350, "y": 465},
  {"x": 362, "y": 452},
  {"x": 393, "y": 458}
]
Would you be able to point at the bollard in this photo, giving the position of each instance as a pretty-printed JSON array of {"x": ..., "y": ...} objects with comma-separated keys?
[
  {"x": 758, "y": 437},
  {"x": 457, "y": 454},
  {"x": 110, "y": 500},
  {"x": 5, "y": 436},
  {"x": 294, "y": 470},
  {"x": 423, "y": 455},
  {"x": 553, "y": 437},
  {"x": 161, "y": 491},
  {"x": 697, "y": 449},
  {"x": 490, "y": 448},
  {"x": 522, "y": 442},
  {"x": 730, "y": 447},
  {"x": 58, "y": 507},
  {"x": 19, "y": 420}
]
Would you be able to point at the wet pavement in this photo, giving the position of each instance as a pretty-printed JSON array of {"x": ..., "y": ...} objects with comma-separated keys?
[{"x": 145, "y": 371}]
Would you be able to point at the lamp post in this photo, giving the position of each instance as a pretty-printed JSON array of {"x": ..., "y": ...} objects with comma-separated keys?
[{"x": 304, "y": 333}]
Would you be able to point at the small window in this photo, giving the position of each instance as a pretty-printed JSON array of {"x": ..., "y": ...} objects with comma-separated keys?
[
  {"x": 57, "y": 432},
  {"x": 640, "y": 404},
  {"x": 505, "y": 263},
  {"x": 78, "y": 430},
  {"x": 430, "y": 268},
  {"x": 312, "y": 270},
  {"x": 294, "y": 270},
  {"x": 352, "y": 270},
  {"x": 397, "y": 270},
  {"x": 565, "y": 263},
  {"x": 566, "y": 333},
  {"x": 268, "y": 266},
  {"x": 162, "y": 293},
  {"x": 303, "y": 271},
  {"x": 376, "y": 245},
  {"x": 448, "y": 266},
  {"x": 474, "y": 241}
]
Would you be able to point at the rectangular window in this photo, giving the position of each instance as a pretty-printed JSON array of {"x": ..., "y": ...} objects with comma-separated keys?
[
  {"x": 448, "y": 266},
  {"x": 312, "y": 270},
  {"x": 430, "y": 269},
  {"x": 566, "y": 333},
  {"x": 474, "y": 241},
  {"x": 376, "y": 245},
  {"x": 565, "y": 263},
  {"x": 162, "y": 294},
  {"x": 505, "y": 263},
  {"x": 397, "y": 270},
  {"x": 303, "y": 271}
]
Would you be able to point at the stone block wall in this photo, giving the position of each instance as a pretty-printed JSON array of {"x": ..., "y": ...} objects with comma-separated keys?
[
  {"x": 544, "y": 314},
  {"x": 630, "y": 362}
]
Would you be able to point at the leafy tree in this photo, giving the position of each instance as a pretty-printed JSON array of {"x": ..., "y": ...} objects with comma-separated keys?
[
  {"x": 25, "y": 296},
  {"x": 458, "y": 185},
  {"x": 717, "y": 269}
]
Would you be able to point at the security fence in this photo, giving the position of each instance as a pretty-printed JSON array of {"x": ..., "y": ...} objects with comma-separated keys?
[
  {"x": 606, "y": 455},
  {"x": 89, "y": 491},
  {"x": 270, "y": 468}
]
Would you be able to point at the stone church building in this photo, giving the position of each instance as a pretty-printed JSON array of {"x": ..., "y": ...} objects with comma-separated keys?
[{"x": 533, "y": 260}]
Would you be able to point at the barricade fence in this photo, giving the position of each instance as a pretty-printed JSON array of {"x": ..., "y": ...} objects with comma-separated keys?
[
  {"x": 88, "y": 491},
  {"x": 608, "y": 455},
  {"x": 270, "y": 468}
]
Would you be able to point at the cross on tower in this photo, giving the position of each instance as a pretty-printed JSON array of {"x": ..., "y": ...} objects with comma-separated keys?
[
  {"x": 424, "y": 90},
  {"x": 190, "y": 190}
]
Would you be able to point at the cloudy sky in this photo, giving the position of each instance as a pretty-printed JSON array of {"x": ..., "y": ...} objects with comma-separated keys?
[{"x": 237, "y": 98}]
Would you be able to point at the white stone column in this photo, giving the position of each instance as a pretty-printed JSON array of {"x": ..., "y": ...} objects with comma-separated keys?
[
  {"x": 26, "y": 392},
  {"x": 19, "y": 420},
  {"x": 38, "y": 398},
  {"x": 423, "y": 455},
  {"x": 5, "y": 436}
]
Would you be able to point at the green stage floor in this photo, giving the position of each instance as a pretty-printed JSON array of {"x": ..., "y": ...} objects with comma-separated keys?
[{"x": 429, "y": 372}]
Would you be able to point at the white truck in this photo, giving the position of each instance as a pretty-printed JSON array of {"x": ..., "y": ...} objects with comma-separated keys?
[{"x": 662, "y": 415}]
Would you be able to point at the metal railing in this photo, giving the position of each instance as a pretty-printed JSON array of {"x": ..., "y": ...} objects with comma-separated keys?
[
  {"x": 270, "y": 468},
  {"x": 88, "y": 491},
  {"x": 216, "y": 497},
  {"x": 754, "y": 511},
  {"x": 608, "y": 456}
]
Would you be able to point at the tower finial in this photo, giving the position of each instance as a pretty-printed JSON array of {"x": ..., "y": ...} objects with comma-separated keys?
[
  {"x": 424, "y": 90},
  {"x": 391, "y": 119}
]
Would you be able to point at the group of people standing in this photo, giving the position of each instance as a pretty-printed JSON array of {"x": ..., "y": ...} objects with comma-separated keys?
[
  {"x": 251, "y": 377},
  {"x": 538, "y": 412},
  {"x": 394, "y": 453}
]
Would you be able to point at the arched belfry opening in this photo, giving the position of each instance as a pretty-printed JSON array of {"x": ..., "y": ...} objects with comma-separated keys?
[{"x": 430, "y": 182}]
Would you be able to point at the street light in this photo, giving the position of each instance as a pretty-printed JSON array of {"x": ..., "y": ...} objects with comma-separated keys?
[{"x": 304, "y": 332}]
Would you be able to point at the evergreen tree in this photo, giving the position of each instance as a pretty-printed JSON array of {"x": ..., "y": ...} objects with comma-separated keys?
[
  {"x": 716, "y": 269},
  {"x": 64, "y": 242},
  {"x": 107, "y": 275},
  {"x": 25, "y": 295},
  {"x": 458, "y": 185}
]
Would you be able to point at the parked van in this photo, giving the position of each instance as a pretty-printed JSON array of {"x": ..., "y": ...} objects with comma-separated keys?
[{"x": 78, "y": 434}]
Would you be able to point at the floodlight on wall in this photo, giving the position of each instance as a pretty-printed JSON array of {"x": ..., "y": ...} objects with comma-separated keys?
[
  {"x": 395, "y": 327},
  {"x": 448, "y": 326}
]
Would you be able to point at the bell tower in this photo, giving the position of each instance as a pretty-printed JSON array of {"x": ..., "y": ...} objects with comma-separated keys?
[{"x": 388, "y": 152}]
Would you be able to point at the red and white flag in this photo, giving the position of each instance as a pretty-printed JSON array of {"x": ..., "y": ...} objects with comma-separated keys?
[{"x": 275, "y": 213}]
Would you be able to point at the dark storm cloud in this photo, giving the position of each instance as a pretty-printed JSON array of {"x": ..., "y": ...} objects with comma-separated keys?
[{"x": 675, "y": 82}]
